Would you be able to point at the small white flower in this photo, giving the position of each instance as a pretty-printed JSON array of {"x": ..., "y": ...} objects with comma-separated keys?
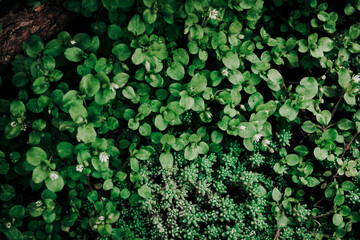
[
  {"x": 208, "y": 115},
  {"x": 73, "y": 42},
  {"x": 242, "y": 128},
  {"x": 114, "y": 86},
  {"x": 38, "y": 203},
  {"x": 101, "y": 218},
  {"x": 79, "y": 168},
  {"x": 54, "y": 176},
  {"x": 356, "y": 78},
  {"x": 213, "y": 14},
  {"x": 257, "y": 137},
  {"x": 8, "y": 225},
  {"x": 104, "y": 157},
  {"x": 266, "y": 142},
  {"x": 323, "y": 77},
  {"x": 13, "y": 124},
  {"x": 225, "y": 72},
  {"x": 102, "y": 199},
  {"x": 242, "y": 106},
  {"x": 267, "y": 111},
  {"x": 23, "y": 127}
]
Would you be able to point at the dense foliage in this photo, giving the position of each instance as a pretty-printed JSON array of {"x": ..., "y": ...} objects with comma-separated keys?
[{"x": 196, "y": 119}]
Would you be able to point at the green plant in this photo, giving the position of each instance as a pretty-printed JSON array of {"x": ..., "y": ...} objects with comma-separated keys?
[{"x": 185, "y": 119}]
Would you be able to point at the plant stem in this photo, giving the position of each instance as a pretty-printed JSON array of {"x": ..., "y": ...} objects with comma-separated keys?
[
  {"x": 323, "y": 215},
  {"x": 277, "y": 234},
  {"x": 89, "y": 184},
  {"x": 319, "y": 201},
  {"x": 337, "y": 105},
  {"x": 348, "y": 146}
]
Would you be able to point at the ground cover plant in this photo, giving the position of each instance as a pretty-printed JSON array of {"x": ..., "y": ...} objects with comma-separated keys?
[{"x": 196, "y": 119}]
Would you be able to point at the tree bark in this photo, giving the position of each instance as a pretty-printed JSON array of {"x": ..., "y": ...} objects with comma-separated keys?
[{"x": 45, "y": 21}]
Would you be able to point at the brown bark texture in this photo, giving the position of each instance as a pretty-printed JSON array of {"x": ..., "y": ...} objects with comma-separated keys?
[{"x": 45, "y": 21}]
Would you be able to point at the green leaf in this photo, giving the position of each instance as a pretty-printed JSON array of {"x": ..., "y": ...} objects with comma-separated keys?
[
  {"x": 122, "y": 51},
  {"x": 136, "y": 25},
  {"x": 279, "y": 168},
  {"x": 354, "y": 31},
  {"x": 320, "y": 154},
  {"x": 138, "y": 57},
  {"x": 160, "y": 123},
  {"x": 86, "y": 133},
  {"x": 40, "y": 173},
  {"x": 78, "y": 113},
  {"x": 121, "y": 79},
  {"x": 348, "y": 186},
  {"x": 246, "y": 130},
  {"x": 275, "y": 80},
  {"x": 20, "y": 79},
  {"x": 17, "y": 108},
  {"x": 292, "y": 159},
  {"x": 90, "y": 85},
  {"x": 143, "y": 154},
  {"x": 40, "y": 85},
  {"x": 288, "y": 111},
  {"x": 125, "y": 193},
  {"x": 312, "y": 182},
  {"x": 7, "y": 192},
  {"x": 344, "y": 77},
  {"x": 145, "y": 192},
  {"x": 345, "y": 210},
  {"x": 197, "y": 84},
  {"x": 176, "y": 71},
  {"x": 324, "y": 117},
  {"x": 349, "y": 9},
  {"x": 158, "y": 50},
  {"x": 308, "y": 88},
  {"x": 276, "y": 194},
  {"x": 190, "y": 153},
  {"x": 35, "y": 155},
  {"x": 282, "y": 221},
  {"x": 323, "y": 16},
  {"x": 309, "y": 127},
  {"x": 149, "y": 16},
  {"x": 134, "y": 164},
  {"x": 231, "y": 60},
  {"x": 339, "y": 199},
  {"x": 255, "y": 100},
  {"x": 54, "y": 182},
  {"x": 166, "y": 160},
  {"x": 17, "y": 211},
  {"x": 325, "y": 44},
  {"x": 129, "y": 92},
  {"x": 73, "y": 54},
  {"x": 145, "y": 129},
  {"x": 108, "y": 184},
  {"x": 216, "y": 137},
  {"x": 337, "y": 219},
  {"x": 64, "y": 149},
  {"x": 301, "y": 150}
]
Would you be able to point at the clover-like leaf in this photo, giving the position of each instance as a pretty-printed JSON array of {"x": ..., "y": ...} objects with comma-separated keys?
[
  {"x": 136, "y": 25},
  {"x": 231, "y": 60},
  {"x": 176, "y": 71},
  {"x": 145, "y": 192},
  {"x": 122, "y": 51},
  {"x": 73, "y": 54},
  {"x": 35, "y": 155},
  {"x": 166, "y": 160},
  {"x": 54, "y": 182}
]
